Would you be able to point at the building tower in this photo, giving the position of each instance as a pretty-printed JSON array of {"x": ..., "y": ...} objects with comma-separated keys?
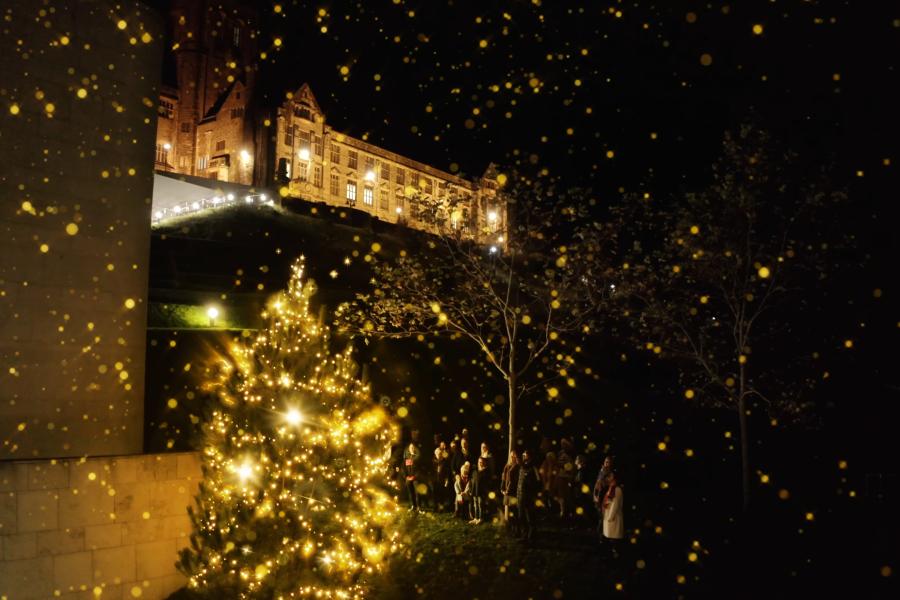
[{"x": 206, "y": 126}]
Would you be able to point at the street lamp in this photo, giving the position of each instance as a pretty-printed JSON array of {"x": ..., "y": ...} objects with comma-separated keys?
[{"x": 212, "y": 312}]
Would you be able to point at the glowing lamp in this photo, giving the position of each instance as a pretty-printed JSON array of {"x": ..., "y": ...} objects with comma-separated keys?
[
  {"x": 262, "y": 197},
  {"x": 398, "y": 210},
  {"x": 293, "y": 416},
  {"x": 158, "y": 215},
  {"x": 303, "y": 154},
  {"x": 493, "y": 249},
  {"x": 245, "y": 156},
  {"x": 212, "y": 312},
  {"x": 167, "y": 146},
  {"x": 244, "y": 472},
  {"x": 370, "y": 175},
  {"x": 248, "y": 199},
  {"x": 195, "y": 206},
  {"x": 492, "y": 216},
  {"x": 230, "y": 197}
]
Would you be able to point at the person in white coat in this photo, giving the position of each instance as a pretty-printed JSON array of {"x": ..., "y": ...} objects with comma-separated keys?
[{"x": 613, "y": 505}]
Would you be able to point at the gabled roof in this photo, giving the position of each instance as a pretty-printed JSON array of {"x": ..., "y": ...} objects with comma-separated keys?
[
  {"x": 220, "y": 101},
  {"x": 304, "y": 92}
]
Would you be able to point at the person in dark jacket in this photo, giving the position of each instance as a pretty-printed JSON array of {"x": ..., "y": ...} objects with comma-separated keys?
[
  {"x": 527, "y": 489},
  {"x": 508, "y": 482},
  {"x": 442, "y": 476},
  {"x": 481, "y": 482},
  {"x": 462, "y": 456},
  {"x": 411, "y": 471}
]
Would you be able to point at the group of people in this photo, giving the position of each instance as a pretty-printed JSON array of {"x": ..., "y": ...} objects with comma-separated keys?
[{"x": 456, "y": 478}]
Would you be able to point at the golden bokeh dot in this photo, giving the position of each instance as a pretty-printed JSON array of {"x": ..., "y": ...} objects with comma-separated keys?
[
  {"x": 688, "y": 394},
  {"x": 81, "y": 93},
  {"x": 758, "y": 29},
  {"x": 706, "y": 59},
  {"x": 71, "y": 228},
  {"x": 13, "y": 109},
  {"x": 129, "y": 303},
  {"x": 45, "y": 248},
  {"x": 122, "y": 24}
]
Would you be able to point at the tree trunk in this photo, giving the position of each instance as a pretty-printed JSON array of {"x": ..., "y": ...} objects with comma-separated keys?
[
  {"x": 745, "y": 452},
  {"x": 512, "y": 412}
]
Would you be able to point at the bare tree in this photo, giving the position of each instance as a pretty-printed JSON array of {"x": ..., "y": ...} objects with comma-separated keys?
[
  {"x": 519, "y": 296},
  {"x": 726, "y": 280}
]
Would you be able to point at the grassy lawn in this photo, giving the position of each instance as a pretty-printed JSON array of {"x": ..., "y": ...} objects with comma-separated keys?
[{"x": 448, "y": 558}]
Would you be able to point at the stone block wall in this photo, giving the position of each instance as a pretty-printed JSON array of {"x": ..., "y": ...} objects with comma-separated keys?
[
  {"x": 95, "y": 528},
  {"x": 78, "y": 105}
]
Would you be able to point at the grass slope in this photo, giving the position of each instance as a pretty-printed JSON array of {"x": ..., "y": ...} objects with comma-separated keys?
[{"x": 448, "y": 558}]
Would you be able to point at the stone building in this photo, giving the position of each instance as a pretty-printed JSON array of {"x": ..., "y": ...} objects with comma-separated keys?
[
  {"x": 211, "y": 126},
  {"x": 206, "y": 126},
  {"x": 320, "y": 164}
]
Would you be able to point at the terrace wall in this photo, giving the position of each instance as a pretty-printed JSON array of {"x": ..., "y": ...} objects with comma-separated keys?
[{"x": 95, "y": 528}]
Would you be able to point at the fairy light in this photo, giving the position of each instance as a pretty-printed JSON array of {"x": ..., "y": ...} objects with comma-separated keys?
[
  {"x": 319, "y": 466},
  {"x": 213, "y": 202}
]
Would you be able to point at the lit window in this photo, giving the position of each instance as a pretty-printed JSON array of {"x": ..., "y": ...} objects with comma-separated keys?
[
  {"x": 335, "y": 185},
  {"x": 317, "y": 176},
  {"x": 351, "y": 192},
  {"x": 368, "y": 196}
]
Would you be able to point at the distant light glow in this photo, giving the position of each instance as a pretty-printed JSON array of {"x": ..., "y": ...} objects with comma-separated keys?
[
  {"x": 293, "y": 416},
  {"x": 492, "y": 216},
  {"x": 493, "y": 249},
  {"x": 370, "y": 175},
  {"x": 212, "y": 312},
  {"x": 245, "y": 156},
  {"x": 303, "y": 154}
]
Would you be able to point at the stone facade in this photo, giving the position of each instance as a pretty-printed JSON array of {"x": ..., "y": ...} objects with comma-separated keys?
[
  {"x": 204, "y": 126},
  {"x": 76, "y": 137},
  {"x": 95, "y": 528},
  {"x": 210, "y": 126},
  {"x": 324, "y": 165}
]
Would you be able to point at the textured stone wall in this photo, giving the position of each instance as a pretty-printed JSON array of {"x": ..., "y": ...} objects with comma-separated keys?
[
  {"x": 78, "y": 104},
  {"x": 95, "y": 528}
]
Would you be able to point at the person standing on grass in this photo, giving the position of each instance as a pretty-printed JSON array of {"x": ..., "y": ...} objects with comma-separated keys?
[
  {"x": 411, "y": 470},
  {"x": 548, "y": 474},
  {"x": 565, "y": 475},
  {"x": 508, "y": 482},
  {"x": 527, "y": 488},
  {"x": 490, "y": 485},
  {"x": 600, "y": 491},
  {"x": 613, "y": 518},
  {"x": 462, "y": 456},
  {"x": 463, "y": 488},
  {"x": 441, "y": 476},
  {"x": 480, "y": 486}
]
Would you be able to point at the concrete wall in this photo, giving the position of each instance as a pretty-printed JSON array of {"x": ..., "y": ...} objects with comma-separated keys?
[
  {"x": 78, "y": 102},
  {"x": 95, "y": 528}
]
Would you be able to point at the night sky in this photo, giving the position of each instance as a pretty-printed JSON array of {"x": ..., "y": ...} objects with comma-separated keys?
[{"x": 563, "y": 84}]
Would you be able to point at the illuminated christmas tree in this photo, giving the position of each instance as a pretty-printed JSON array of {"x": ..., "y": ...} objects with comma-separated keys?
[{"x": 293, "y": 501}]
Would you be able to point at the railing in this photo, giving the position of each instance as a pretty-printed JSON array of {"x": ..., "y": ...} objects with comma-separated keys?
[{"x": 212, "y": 202}]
